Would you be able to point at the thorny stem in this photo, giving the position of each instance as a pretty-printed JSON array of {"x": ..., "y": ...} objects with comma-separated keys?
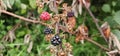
[
  {"x": 87, "y": 38},
  {"x": 23, "y": 18},
  {"x": 59, "y": 26},
  {"x": 90, "y": 40},
  {"x": 96, "y": 23}
]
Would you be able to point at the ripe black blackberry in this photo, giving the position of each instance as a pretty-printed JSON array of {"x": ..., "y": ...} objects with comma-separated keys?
[
  {"x": 56, "y": 40},
  {"x": 70, "y": 14},
  {"x": 48, "y": 31}
]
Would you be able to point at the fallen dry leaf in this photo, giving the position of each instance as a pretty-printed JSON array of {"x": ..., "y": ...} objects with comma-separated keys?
[
  {"x": 30, "y": 47},
  {"x": 27, "y": 38}
]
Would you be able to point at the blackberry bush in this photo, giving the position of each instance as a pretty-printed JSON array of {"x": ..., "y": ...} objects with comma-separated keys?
[{"x": 70, "y": 24}]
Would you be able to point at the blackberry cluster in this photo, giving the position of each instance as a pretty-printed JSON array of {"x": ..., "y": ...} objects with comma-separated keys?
[
  {"x": 70, "y": 14},
  {"x": 56, "y": 40},
  {"x": 48, "y": 30}
]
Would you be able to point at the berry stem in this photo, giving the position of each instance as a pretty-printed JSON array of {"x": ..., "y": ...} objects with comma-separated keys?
[
  {"x": 63, "y": 28},
  {"x": 96, "y": 23},
  {"x": 23, "y": 18},
  {"x": 99, "y": 45},
  {"x": 56, "y": 28}
]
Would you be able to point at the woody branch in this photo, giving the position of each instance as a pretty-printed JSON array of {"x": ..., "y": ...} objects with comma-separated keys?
[{"x": 60, "y": 27}]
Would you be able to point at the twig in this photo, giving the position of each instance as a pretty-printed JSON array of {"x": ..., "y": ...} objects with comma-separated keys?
[
  {"x": 99, "y": 45},
  {"x": 23, "y": 18},
  {"x": 60, "y": 26},
  {"x": 88, "y": 39},
  {"x": 96, "y": 23},
  {"x": 20, "y": 17}
]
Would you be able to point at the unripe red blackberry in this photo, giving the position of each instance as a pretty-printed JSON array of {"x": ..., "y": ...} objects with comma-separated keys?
[
  {"x": 48, "y": 31},
  {"x": 45, "y": 16},
  {"x": 70, "y": 14},
  {"x": 56, "y": 40}
]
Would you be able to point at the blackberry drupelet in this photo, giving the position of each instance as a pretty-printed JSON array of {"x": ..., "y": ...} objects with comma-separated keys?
[
  {"x": 70, "y": 14},
  {"x": 56, "y": 40},
  {"x": 48, "y": 31}
]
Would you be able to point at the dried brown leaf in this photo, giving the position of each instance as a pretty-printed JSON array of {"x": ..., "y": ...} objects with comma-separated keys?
[
  {"x": 115, "y": 40},
  {"x": 53, "y": 6},
  {"x": 8, "y": 4},
  {"x": 53, "y": 50},
  {"x": 83, "y": 30},
  {"x": 59, "y": 1},
  {"x": 81, "y": 33},
  {"x": 68, "y": 47},
  {"x": 75, "y": 9},
  {"x": 62, "y": 53},
  {"x": 86, "y": 3},
  {"x": 5, "y": 38},
  {"x": 27, "y": 38},
  {"x": 74, "y": 2},
  {"x": 2, "y": 6},
  {"x": 1, "y": 54},
  {"x": 71, "y": 22},
  {"x": 106, "y": 30},
  {"x": 30, "y": 47},
  {"x": 69, "y": 54},
  {"x": 112, "y": 53},
  {"x": 77, "y": 6},
  {"x": 77, "y": 39},
  {"x": 65, "y": 5},
  {"x": 48, "y": 37},
  {"x": 80, "y": 8},
  {"x": 11, "y": 36}
]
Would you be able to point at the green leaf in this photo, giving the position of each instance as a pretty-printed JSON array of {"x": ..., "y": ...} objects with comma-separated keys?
[
  {"x": 23, "y": 6},
  {"x": 106, "y": 8},
  {"x": 7, "y": 3},
  {"x": 32, "y": 3},
  {"x": 23, "y": 11},
  {"x": 11, "y": 2},
  {"x": 21, "y": 33},
  {"x": 111, "y": 21},
  {"x": 117, "y": 33},
  {"x": 113, "y": 3},
  {"x": 18, "y": 3},
  {"x": 117, "y": 17},
  {"x": 39, "y": 10},
  {"x": 93, "y": 8},
  {"x": 9, "y": 27},
  {"x": 2, "y": 21},
  {"x": 21, "y": 52},
  {"x": 17, "y": 21}
]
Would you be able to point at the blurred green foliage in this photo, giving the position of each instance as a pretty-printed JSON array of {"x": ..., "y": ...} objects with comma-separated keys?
[{"x": 105, "y": 10}]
